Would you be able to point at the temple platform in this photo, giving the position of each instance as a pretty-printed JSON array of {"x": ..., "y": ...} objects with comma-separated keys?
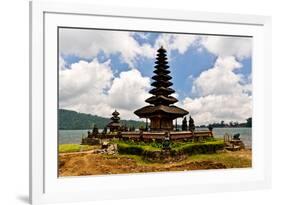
[
  {"x": 150, "y": 136},
  {"x": 173, "y": 135}
]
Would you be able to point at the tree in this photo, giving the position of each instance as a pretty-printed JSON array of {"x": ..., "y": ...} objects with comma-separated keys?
[
  {"x": 95, "y": 130},
  {"x": 210, "y": 127},
  {"x": 104, "y": 130},
  {"x": 191, "y": 124},
  {"x": 249, "y": 122},
  {"x": 184, "y": 124}
]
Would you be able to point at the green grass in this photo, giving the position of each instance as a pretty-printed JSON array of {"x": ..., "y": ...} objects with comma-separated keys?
[
  {"x": 63, "y": 148},
  {"x": 229, "y": 159},
  {"x": 208, "y": 147}
]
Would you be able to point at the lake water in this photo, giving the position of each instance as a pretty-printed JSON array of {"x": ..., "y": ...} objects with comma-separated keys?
[
  {"x": 245, "y": 134},
  {"x": 75, "y": 136}
]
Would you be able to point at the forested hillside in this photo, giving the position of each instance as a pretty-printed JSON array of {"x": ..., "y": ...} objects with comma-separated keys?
[{"x": 72, "y": 120}]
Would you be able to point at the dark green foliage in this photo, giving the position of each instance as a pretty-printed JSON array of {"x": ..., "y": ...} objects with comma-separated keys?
[
  {"x": 149, "y": 149},
  {"x": 130, "y": 149},
  {"x": 191, "y": 125},
  {"x": 72, "y": 120},
  {"x": 200, "y": 148},
  {"x": 141, "y": 150},
  {"x": 104, "y": 130},
  {"x": 184, "y": 124},
  {"x": 248, "y": 123}
]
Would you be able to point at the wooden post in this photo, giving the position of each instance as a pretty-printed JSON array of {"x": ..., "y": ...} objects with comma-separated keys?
[{"x": 146, "y": 124}]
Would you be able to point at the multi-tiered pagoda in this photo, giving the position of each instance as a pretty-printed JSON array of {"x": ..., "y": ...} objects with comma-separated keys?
[
  {"x": 115, "y": 124},
  {"x": 161, "y": 110}
]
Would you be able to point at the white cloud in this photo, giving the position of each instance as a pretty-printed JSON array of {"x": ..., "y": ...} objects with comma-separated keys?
[
  {"x": 142, "y": 35},
  {"x": 83, "y": 81},
  {"x": 220, "y": 94},
  {"x": 228, "y": 46},
  {"x": 92, "y": 88},
  {"x": 178, "y": 42},
  {"x": 88, "y": 43},
  {"x": 62, "y": 63},
  {"x": 214, "y": 108},
  {"x": 129, "y": 90},
  {"x": 220, "y": 79}
]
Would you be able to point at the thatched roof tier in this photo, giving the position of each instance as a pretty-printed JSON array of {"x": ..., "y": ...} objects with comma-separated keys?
[
  {"x": 158, "y": 100},
  {"x": 161, "y": 63},
  {"x": 161, "y": 53},
  {"x": 114, "y": 124},
  {"x": 161, "y": 50},
  {"x": 161, "y": 110},
  {"x": 163, "y": 67},
  {"x": 161, "y": 91},
  {"x": 115, "y": 113},
  {"x": 115, "y": 118},
  {"x": 162, "y": 77},
  {"x": 161, "y": 71},
  {"x": 161, "y": 83}
]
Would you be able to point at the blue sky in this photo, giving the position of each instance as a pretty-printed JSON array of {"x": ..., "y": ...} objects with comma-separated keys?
[{"x": 194, "y": 60}]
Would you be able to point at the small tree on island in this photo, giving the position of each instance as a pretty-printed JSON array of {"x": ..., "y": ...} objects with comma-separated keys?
[
  {"x": 142, "y": 128},
  {"x": 104, "y": 130},
  {"x": 191, "y": 127},
  {"x": 132, "y": 128},
  {"x": 249, "y": 122},
  {"x": 191, "y": 124},
  {"x": 184, "y": 124},
  {"x": 95, "y": 130},
  {"x": 210, "y": 127}
]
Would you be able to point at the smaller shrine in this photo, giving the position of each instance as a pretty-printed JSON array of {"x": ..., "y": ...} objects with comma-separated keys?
[{"x": 115, "y": 124}]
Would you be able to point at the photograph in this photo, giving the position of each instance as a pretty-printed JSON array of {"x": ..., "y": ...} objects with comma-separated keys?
[{"x": 132, "y": 101}]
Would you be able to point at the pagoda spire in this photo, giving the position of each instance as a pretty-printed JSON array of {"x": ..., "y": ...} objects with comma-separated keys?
[
  {"x": 161, "y": 91},
  {"x": 161, "y": 110}
]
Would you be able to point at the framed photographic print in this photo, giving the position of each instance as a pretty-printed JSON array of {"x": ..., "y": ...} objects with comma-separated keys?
[{"x": 133, "y": 103}]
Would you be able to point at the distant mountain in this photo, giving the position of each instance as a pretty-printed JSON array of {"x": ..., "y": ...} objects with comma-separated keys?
[{"x": 72, "y": 120}]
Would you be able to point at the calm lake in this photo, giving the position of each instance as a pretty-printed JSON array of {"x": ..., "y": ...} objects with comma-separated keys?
[{"x": 74, "y": 136}]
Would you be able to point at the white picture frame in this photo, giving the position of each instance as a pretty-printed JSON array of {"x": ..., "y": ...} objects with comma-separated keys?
[{"x": 45, "y": 186}]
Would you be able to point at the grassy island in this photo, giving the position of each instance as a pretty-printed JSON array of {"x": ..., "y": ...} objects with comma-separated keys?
[{"x": 136, "y": 157}]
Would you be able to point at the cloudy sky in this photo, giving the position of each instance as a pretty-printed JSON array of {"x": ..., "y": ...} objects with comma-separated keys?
[{"x": 100, "y": 71}]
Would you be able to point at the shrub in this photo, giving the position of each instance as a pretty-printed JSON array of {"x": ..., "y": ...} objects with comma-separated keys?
[
  {"x": 129, "y": 149},
  {"x": 153, "y": 149},
  {"x": 199, "y": 148}
]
